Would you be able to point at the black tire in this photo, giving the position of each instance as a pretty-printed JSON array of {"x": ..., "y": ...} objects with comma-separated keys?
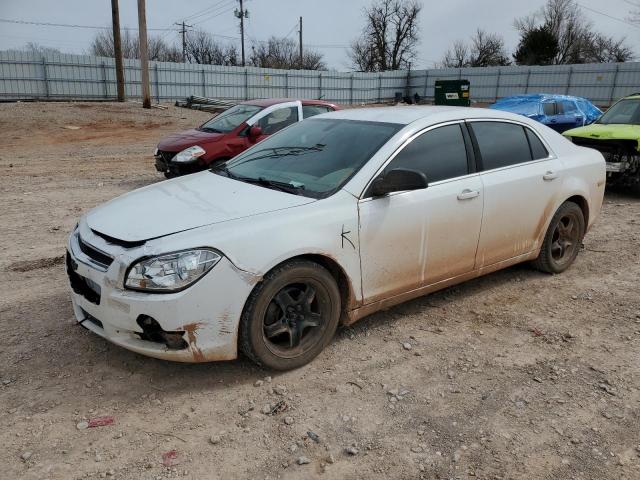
[
  {"x": 563, "y": 239},
  {"x": 290, "y": 316},
  {"x": 169, "y": 175}
]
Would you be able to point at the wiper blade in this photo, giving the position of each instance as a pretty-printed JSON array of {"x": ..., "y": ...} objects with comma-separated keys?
[
  {"x": 276, "y": 185},
  {"x": 211, "y": 130}
]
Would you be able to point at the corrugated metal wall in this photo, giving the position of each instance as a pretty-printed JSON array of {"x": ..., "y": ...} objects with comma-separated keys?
[
  {"x": 26, "y": 75},
  {"x": 602, "y": 83}
]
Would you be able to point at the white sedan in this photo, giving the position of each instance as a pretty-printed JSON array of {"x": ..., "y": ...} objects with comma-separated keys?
[{"x": 324, "y": 223}]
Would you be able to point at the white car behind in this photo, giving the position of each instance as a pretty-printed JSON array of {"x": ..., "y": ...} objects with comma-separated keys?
[{"x": 324, "y": 223}]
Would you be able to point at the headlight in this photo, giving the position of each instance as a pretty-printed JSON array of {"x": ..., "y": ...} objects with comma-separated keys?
[
  {"x": 189, "y": 154},
  {"x": 171, "y": 272}
]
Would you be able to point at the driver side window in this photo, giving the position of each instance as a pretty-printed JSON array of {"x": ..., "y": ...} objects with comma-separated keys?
[
  {"x": 439, "y": 153},
  {"x": 277, "y": 120}
]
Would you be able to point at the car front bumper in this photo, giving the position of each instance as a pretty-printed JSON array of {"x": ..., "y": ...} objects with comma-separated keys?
[
  {"x": 206, "y": 314},
  {"x": 164, "y": 163}
]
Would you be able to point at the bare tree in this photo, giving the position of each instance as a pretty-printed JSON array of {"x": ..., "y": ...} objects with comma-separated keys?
[
  {"x": 457, "y": 56},
  {"x": 284, "y": 53},
  {"x": 486, "y": 50},
  {"x": 201, "y": 47},
  {"x": 34, "y": 47},
  {"x": 159, "y": 50},
  {"x": 389, "y": 38},
  {"x": 576, "y": 39}
]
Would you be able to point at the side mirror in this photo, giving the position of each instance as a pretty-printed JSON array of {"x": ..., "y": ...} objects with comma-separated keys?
[
  {"x": 254, "y": 132},
  {"x": 398, "y": 180}
]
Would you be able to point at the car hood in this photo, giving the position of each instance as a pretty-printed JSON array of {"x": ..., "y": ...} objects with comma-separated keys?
[
  {"x": 185, "y": 203},
  {"x": 176, "y": 142},
  {"x": 606, "y": 132}
]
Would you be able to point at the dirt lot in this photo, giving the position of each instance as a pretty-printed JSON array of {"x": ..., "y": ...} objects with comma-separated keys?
[{"x": 515, "y": 375}]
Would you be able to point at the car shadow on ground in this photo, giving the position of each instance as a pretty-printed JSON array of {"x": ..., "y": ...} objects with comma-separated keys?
[{"x": 126, "y": 375}]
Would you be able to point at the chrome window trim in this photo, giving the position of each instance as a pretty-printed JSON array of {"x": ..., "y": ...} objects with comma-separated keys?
[
  {"x": 402, "y": 146},
  {"x": 551, "y": 156}
]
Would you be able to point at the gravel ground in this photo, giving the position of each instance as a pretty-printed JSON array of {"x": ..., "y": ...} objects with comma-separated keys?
[{"x": 514, "y": 375}]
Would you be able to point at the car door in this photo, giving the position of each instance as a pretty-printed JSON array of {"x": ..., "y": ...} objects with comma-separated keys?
[
  {"x": 521, "y": 182},
  {"x": 411, "y": 239},
  {"x": 276, "y": 117}
]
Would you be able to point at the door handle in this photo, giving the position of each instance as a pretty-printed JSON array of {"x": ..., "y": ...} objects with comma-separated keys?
[
  {"x": 468, "y": 194},
  {"x": 550, "y": 175}
]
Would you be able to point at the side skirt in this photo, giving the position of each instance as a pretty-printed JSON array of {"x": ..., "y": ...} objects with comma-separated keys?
[{"x": 365, "y": 310}]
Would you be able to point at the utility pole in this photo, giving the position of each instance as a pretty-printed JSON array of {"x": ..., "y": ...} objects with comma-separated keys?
[
  {"x": 144, "y": 55},
  {"x": 242, "y": 14},
  {"x": 183, "y": 31},
  {"x": 300, "y": 32},
  {"x": 117, "y": 49}
]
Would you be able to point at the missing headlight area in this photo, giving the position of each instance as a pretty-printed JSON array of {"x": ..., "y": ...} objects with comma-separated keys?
[
  {"x": 153, "y": 332},
  {"x": 622, "y": 157}
]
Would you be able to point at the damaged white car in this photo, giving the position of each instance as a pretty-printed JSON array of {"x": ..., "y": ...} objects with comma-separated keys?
[{"x": 324, "y": 223}]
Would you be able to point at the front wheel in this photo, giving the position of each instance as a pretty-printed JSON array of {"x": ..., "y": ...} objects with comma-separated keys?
[
  {"x": 290, "y": 316},
  {"x": 563, "y": 239}
]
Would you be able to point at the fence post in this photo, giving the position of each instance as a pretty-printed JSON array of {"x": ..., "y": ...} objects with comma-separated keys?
[
  {"x": 104, "y": 81},
  {"x": 614, "y": 84},
  {"x": 246, "y": 84},
  {"x": 45, "y": 77},
  {"x": 526, "y": 87},
  {"x": 286, "y": 84},
  {"x": 204, "y": 84},
  {"x": 157, "y": 83},
  {"x": 566, "y": 92},
  {"x": 379, "y": 88},
  {"x": 497, "y": 85},
  {"x": 426, "y": 82},
  {"x": 351, "y": 89},
  {"x": 320, "y": 86}
]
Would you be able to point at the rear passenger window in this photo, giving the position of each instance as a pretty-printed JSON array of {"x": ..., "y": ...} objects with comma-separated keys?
[
  {"x": 440, "y": 154},
  {"x": 312, "y": 110},
  {"x": 538, "y": 150},
  {"x": 549, "y": 108},
  {"x": 501, "y": 144}
]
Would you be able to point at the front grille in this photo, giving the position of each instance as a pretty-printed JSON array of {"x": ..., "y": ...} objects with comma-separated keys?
[
  {"x": 167, "y": 156},
  {"x": 82, "y": 286},
  {"x": 117, "y": 241},
  {"x": 95, "y": 254}
]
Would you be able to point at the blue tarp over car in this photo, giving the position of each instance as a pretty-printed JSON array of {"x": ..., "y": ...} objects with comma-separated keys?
[{"x": 560, "y": 112}]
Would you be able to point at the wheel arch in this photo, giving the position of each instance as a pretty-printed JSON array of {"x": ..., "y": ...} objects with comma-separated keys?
[
  {"x": 582, "y": 202},
  {"x": 348, "y": 296}
]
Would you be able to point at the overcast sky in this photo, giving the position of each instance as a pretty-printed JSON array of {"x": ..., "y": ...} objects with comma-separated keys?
[{"x": 328, "y": 25}]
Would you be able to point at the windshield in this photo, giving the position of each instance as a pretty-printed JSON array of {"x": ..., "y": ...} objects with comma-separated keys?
[
  {"x": 230, "y": 119},
  {"x": 623, "y": 112},
  {"x": 313, "y": 158}
]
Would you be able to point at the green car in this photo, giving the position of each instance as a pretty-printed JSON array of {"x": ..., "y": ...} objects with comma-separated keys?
[{"x": 616, "y": 134}]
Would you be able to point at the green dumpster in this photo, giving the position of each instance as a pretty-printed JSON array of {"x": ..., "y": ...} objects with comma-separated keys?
[{"x": 452, "y": 92}]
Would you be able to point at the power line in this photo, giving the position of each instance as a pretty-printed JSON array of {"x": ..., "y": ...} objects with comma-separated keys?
[
  {"x": 204, "y": 11},
  {"x": 609, "y": 16},
  {"x": 222, "y": 11},
  {"x": 67, "y": 25}
]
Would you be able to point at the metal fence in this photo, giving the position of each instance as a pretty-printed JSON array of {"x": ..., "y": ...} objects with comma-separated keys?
[{"x": 25, "y": 75}]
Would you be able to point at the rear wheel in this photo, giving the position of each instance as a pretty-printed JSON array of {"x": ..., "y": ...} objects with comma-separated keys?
[
  {"x": 290, "y": 316},
  {"x": 563, "y": 239}
]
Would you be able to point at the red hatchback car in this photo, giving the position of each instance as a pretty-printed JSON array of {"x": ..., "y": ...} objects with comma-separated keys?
[{"x": 231, "y": 132}]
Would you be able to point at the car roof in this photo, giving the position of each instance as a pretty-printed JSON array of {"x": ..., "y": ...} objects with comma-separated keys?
[
  {"x": 404, "y": 115},
  {"x": 267, "y": 102}
]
